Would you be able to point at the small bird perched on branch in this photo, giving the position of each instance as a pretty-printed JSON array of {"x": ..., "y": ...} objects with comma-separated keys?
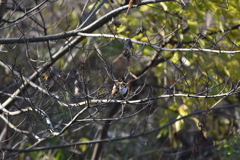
[
  {"x": 131, "y": 3},
  {"x": 127, "y": 52},
  {"x": 120, "y": 87}
]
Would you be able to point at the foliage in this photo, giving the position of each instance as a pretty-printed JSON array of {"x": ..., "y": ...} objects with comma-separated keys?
[{"x": 61, "y": 59}]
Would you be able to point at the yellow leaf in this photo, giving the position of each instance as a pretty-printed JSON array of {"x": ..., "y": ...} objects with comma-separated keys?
[
  {"x": 183, "y": 110},
  {"x": 179, "y": 124},
  {"x": 84, "y": 146},
  {"x": 221, "y": 26},
  {"x": 143, "y": 8},
  {"x": 90, "y": 6},
  {"x": 175, "y": 57},
  {"x": 121, "y": 28},
  {"x": 165, "y": 8},
  {"x": 144, "y": 39},
  {"x": 165, "y": 131},
  {"x": 46, "y": 76}
]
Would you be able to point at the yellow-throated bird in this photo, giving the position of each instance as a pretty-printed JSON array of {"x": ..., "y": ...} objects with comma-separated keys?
[{"x": 120, "y": 87}]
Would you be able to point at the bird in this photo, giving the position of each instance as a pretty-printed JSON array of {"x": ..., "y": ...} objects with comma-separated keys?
[
  {"x": 127, "y": 52},
  {"x": 120, "y": 87}
]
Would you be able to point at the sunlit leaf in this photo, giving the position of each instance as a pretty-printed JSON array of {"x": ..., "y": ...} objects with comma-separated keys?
[
  {"x": 84, "y": 146},
  {"x": 165, "y": 8},
  {"x": 179, "y": 124}
]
